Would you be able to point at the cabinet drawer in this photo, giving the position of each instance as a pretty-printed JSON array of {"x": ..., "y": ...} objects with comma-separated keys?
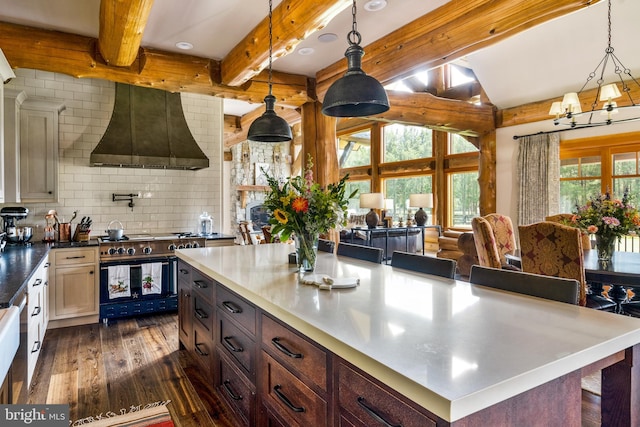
[
  {"x": 294, "y": 351},
  {"x": 184, "y": 273},
  {"x": 203, "y": 350},
  {"x": 237, "y": 344},
  {"x": 74, "y": 256},
  {"x": 368, "y": 402},
  {"x": 203, "y": 312},
  {"x": 202, "y": 285},
  {"x": 291, "y": 399},
  {"x": 237, "y": 308},
  {"x": 236, "y": 390}
]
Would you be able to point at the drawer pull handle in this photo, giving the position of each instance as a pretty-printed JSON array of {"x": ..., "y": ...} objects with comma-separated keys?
[
  {"x": 36, "y": 311},
  {"x": 38, "y": 282},
  {"x": 200, "y": 284},
  {"x": 231, "y": 307},
  {"x": 227, "y": 388},
  {"x": 200, "y": 352},
  {"x": 36, "y": 346},
  {"x": 201, "y": 314},
  {"x": 285, "y": 350},
  {"x": 76, "y": 257},
  {"x": 227, "y": 343},
  {"x": 373, "y": 414},
  {"x": 285, "y": 400},
  {"x": 183, "y": 271}
]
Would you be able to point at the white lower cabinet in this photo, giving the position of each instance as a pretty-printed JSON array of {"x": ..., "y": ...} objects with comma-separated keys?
[
  {"x": 37, "y": 310},
  {"x": 74, "y": 286}
]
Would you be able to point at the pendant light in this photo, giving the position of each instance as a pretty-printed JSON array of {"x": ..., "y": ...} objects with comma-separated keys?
[
  {"x": 270, "y": 127},
  {"x": 355, "y": 94}
]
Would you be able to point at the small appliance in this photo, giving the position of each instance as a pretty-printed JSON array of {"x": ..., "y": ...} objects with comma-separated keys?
[{"x": 10, "y": 217}]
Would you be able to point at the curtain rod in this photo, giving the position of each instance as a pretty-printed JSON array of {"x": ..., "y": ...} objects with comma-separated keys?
[{"x": 592, "y": 125}]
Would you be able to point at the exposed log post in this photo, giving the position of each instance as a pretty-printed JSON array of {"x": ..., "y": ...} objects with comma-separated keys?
[
  {"x": 487, "y": 173},
  {"x": 439, "y": 183},
  {"x": 122, "y": 24},
  {"x": 319, "y": 140}
]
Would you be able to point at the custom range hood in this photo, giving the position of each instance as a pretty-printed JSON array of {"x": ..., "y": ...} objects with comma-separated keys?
[{"x": 148, "y": 130}]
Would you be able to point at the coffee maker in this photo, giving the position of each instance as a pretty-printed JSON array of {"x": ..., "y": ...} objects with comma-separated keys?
[{"x": 14, "y": 233}]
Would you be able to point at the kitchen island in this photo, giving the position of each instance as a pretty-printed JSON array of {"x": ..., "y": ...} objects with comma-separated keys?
[{"x": 465, "y": 354}]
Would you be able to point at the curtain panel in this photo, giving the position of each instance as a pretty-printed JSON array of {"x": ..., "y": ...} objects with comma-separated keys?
[{"x": 538, "y": 177}]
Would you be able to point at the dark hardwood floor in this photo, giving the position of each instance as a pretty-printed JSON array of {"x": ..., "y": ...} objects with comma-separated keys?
[{"x": 97, "y": 368}]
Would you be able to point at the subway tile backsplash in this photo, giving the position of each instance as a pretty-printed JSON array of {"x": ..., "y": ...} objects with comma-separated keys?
[{"x": 171, "y": 200}]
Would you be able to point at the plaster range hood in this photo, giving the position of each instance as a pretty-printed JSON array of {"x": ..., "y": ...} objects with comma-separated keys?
[{"x": 148, "y": 130}]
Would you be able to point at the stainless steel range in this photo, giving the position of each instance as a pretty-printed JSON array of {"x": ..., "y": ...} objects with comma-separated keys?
[{"x": 138, "y": 273}]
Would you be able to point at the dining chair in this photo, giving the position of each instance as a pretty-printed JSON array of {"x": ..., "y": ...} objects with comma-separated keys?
[
  {"x": 503, "y": 233},
  {"x": 325, "y": 245},
  {"x": 443, "y": 267},
  {"x": 554, "y": 249},
  {"x": 365, "y": 253},
  {"x": 536, "y": 285},
  {"x": 485, "y": 242},
  {"x": 565, "y": 218}
]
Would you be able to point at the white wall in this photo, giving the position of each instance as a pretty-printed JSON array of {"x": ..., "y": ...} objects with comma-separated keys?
[
  {"x": 172, "y": 200},
  {"x": 507, "y": 156}
]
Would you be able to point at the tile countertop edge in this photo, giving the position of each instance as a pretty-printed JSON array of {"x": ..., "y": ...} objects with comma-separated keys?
[{"x": 446, "y": 408}]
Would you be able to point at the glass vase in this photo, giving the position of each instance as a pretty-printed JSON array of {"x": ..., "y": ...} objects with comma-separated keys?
[
  {"x": 604, "y": 246},
  {"x": 306, "y": 250}
]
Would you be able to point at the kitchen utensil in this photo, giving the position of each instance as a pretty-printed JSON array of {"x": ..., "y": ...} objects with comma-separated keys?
[
  {"x": 115, "y": 233},
  {"x": 75, "y": 214}
]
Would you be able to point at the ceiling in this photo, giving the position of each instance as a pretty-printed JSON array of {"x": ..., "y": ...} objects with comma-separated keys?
[{"x": 540, "y": 63}]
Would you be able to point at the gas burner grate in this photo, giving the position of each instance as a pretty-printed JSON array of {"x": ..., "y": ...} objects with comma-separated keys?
[{"x": 107, "y": 239}]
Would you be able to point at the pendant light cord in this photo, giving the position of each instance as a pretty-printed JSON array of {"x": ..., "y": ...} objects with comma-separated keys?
[{"x": 270, "y": 43}]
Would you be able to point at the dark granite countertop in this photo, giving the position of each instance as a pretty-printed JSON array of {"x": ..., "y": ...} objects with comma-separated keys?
[{"x": 18, "y": 263}]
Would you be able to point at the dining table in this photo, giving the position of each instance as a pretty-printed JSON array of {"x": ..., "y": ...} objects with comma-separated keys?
[{"x": 621, "y": 273}]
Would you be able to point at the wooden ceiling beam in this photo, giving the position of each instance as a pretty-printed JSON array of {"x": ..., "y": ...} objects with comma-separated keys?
[
  {"x": 455, "y": 29},
  {"x": 293, "y": 21},
  {"x": 122, "y": 25},
  {"x": 424, "y": 109},
  {"x": 77, "y": 56}
]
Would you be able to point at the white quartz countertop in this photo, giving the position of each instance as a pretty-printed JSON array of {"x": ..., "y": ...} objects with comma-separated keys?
[{"x": 451, "y": 347}]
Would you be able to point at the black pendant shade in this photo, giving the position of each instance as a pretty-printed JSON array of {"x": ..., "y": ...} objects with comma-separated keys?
[
  {"x": 355, "y": 94},
  {"x": 269, "y": 127}
]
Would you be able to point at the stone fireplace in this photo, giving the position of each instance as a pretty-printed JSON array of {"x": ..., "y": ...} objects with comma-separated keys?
[{"x": 257, "y": 214}]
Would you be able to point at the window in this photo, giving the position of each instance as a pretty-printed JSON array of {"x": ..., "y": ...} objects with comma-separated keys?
[
  {"x": 465, "y": 198},
  {"x": 399, "y": 189},
  {"x": 354, "y": 149},
  {"x": 580, "y": 178},
  {"x": 402, "y": 142},
  {"x": 458, "y": 144},
  {"x": 362, "y": 187},
  {"x": 625, "y": 173}
]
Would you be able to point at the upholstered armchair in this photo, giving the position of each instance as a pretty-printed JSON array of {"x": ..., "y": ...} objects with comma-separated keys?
[
  {"x": 485, "y": 241},
  {"x": 554, "y": 249}
]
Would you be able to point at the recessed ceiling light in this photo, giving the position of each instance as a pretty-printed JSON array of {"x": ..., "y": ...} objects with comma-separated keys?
[
  {"x": 306, "y": 51},
  {"x": 375, "y": 5},
  {"x": 327, "y": 37},
  {"x": 184, "y": 45}
]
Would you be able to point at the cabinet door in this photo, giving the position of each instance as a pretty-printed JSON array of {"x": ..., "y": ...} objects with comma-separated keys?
[
  {"x": 185, "y": 314},
  {"x": 38, "y": 155},
  {"x": 74, "y": 293}
]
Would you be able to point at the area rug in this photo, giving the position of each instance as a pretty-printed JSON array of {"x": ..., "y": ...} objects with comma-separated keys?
[
  {"x": 151, "y": 415},
  {"x": 592, "y": 383}
]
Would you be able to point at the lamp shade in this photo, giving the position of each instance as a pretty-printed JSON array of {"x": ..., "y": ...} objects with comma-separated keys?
[
  {"x": 269, "y": 127},
  {"x": 372, "y": 200},
  {"x": 571, "y": 102},
  {"x": 556, "y": 109},
  {"x": 421, "y": 200},
  {"x": 388, "y": 204},
  {"x": 609, "y": 92}
]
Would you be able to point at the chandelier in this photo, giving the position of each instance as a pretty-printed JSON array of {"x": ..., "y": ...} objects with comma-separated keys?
[{"x": 569, "y": 111}]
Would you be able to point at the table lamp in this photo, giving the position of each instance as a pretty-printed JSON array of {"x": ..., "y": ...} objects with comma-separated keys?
[
  {"x": 372, "y": 201},
  {"x": 421, "y": 201}
]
